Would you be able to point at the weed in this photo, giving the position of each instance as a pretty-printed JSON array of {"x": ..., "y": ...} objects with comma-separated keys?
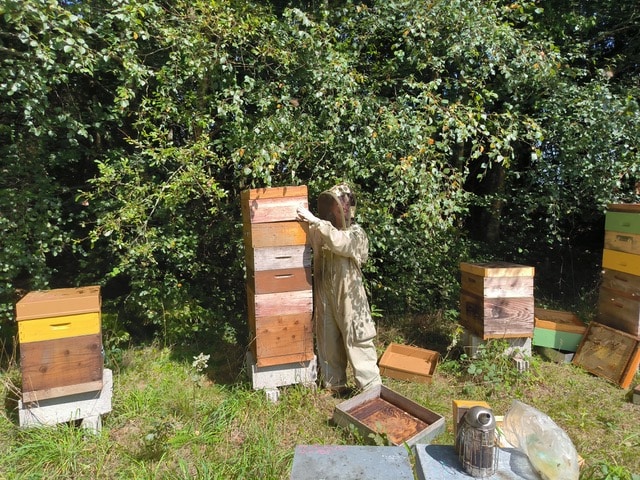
[
  {"x": 607, "y": 471},
  {"x": 491, "y": 366}
]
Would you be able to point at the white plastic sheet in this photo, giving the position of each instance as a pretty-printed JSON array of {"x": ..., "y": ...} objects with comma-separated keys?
[{"x": 547, "y": 446}]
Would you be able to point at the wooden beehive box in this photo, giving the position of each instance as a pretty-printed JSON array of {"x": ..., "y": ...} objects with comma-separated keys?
[
  {"x": 619, "y": 299},
  {"x": 279, "y": 288},
  {"x": 60, "y": 336},
  {"x": 557, "y": 329},
  {"x": 406, "y": 362},
  {"x": 619, "y": 310},
  {"x": 609, "y": 353},
  {"x": 381, "y": 411},
  {"x": 496, "y": 299}
]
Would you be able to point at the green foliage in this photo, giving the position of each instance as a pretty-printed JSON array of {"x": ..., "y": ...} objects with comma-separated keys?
[
  {"x": 607, "y": 471},
  {"x": 492, "y": 365},
  {"x": 129, "y": 129}
]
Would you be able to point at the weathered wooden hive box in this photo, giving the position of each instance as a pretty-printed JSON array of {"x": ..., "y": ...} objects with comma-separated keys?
[
  {"x": 557, "y": 329},
  {"x": 60, "y": 336},
  {"x": 278, "y": 261},
  {"x": 406, "y": 362},
  {"x": 496, "y": 299},
  {"x": 381, "y": 411},
  {"x": 619, "y": 299}
]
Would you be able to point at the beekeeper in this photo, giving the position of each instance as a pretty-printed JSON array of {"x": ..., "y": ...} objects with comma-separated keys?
[{"x": 344, "y": 327}]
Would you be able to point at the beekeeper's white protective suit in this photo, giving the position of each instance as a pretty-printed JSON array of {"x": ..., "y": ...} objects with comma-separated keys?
[{"x": 344, "y": 327}]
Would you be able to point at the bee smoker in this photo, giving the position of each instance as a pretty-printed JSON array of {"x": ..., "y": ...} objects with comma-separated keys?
[{"x": 476, "y": 442}]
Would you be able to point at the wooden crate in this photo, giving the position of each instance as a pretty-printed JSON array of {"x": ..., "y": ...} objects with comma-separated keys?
[
  {"x": 278, "y": 204},
  {"x": 279, "y": 281},
  {"x": 60, "y": 338},
  {"x": 624, "y": 207},
  {"x": 497, "y": 269},
  {"x": 405, "y": 362},
  {"x": 557, "y": 329},
  {"x": 57, "y": 302},
  {"x": 622, "y": 242},
  {"x": 609, "y": 353},
  {"x": 379, "y": 410},
  {"x": 496, "y": 299},
  {"x": 280, "y": 325},
  {"x": 620, "y": 311},
  {"x": 496, "y": 286},
  {"x": 497, "y": 317},
  {"x": 259, "y": 235},
  {"x": 622, "y": 221},
  {"x": 624, "y": 283}
]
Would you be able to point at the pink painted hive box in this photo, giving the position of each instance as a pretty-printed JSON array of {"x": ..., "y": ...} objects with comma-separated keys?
[{"x": 405, "y": 362}]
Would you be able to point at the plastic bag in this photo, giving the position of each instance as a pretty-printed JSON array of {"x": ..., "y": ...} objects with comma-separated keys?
[{"x": 548, "y": 447}]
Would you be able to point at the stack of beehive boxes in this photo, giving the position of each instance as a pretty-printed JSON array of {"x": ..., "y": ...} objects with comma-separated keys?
[
  {"x": 278, "y": 280},
  {"x": 496, "y": 301},
  {"x": 611, "y": 345},
  {"x": 619, "y": 300},
  {"x": 60, "y": 337},
  {"x": 61, "y": 358}
]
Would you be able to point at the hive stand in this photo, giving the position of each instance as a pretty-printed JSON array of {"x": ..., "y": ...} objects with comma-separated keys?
[
  {"x": 497, "y": 302},
  {"x": 87, "y": 407},
  {"x": 271, "y": 377}
]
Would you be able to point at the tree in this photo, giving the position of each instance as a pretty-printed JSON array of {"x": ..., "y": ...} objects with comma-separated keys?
[{"x": 145, "y": 119}]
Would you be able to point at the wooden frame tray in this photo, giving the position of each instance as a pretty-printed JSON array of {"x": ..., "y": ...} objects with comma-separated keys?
[{"x": 380, "y": 410}]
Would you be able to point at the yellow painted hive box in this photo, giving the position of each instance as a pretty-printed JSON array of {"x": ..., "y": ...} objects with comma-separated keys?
[{"x": 60, "y": 336}]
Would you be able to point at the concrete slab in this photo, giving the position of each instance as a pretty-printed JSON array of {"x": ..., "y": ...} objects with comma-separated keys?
[
  {"x": 339, "y": 462},
  {"x": 87, "y": 406},
  {"x": 518, "y": 345},
  {"x": 440, "y": 462},
  {"x": 272, "y": 377}
]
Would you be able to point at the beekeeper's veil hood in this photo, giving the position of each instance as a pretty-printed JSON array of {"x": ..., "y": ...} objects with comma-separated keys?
[{"x": 338, "y": 205}]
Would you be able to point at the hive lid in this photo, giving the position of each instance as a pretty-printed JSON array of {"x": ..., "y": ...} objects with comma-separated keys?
[
  {"x": 624, "y": 207},
  {"x": 58, "y": 302},
  {"x": 497, "y": 269}
]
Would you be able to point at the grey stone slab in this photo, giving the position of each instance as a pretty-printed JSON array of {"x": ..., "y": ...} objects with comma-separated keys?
[
  {"x": 440, "y": 462},
  {"x": 349, "y": 462}
]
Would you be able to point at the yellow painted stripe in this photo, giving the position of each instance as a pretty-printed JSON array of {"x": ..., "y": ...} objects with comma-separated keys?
[
  {"x": 621, "y": 261},
  {"x": 53, "y": 328}
]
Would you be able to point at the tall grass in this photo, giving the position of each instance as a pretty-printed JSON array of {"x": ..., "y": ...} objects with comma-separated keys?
[{"x": 168, "y": 423}]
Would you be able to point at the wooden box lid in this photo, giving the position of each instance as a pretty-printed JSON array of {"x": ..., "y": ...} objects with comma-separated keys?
[
  {"x": 609, "y": 353},
  {"x": 558, "y": 320},
  {"x": 406, "y": 362},
  {"x": 624, "y": 207},
  {"x": 58, "y": 302},
  {"x": 497, "y": 269},
  {"x": 278, "y": 204}
]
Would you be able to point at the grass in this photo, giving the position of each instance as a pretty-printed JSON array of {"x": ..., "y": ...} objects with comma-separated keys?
[{"x": 169, "y": 421}]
